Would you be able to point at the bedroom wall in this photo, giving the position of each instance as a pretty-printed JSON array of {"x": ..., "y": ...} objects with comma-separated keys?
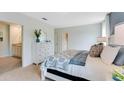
[
  {"x": 115, "y": 18},
  {"x": 4, "y": 45},
  {"x": 29, "y": 24},
  {"x": 82, "y": 37}
]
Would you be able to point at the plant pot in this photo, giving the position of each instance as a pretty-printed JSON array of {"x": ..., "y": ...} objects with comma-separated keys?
[{"x": 37, "y": 40}]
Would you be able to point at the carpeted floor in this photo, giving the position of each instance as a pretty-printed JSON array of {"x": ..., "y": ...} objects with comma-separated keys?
[
  {"x": 11, "y": 70},
  {"x": 8, "y": 64},
  {"x": 30, "y": 73}
]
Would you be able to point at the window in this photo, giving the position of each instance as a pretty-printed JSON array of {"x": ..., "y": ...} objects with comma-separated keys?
[{"x": 104, "y": 32}]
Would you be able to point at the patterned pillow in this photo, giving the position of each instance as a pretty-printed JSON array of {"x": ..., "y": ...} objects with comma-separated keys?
[
  {"x": 62, "y": 62},
  {"x": 96, "y": 50},
  {"x": 51, "y": 61}
]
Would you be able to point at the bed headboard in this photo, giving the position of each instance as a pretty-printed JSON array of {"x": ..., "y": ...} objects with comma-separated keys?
[{"x": 118, "y": 37}]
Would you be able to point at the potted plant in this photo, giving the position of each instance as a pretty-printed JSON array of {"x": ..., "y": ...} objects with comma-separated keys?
[{"x": 37, "y": 34}]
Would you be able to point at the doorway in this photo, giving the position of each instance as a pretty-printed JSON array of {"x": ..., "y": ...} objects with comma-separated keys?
[
  {"x": 15, "y": 42},
  {"x": 10, "y": 46},
  {"x": 65, "y": 41},
  {"x": 61, "y": 41}
]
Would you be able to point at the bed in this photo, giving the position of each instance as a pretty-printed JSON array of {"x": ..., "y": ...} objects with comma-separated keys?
[{"x": 94, "y": 69}]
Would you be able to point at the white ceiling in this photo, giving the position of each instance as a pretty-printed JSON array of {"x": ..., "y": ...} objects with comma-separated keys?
[{"x": 67, "y": 19}]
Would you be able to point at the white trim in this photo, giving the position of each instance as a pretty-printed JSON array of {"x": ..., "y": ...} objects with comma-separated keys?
[{"x": 5, "y": 56}]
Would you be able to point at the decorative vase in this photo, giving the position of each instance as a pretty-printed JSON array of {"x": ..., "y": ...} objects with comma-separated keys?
[{"x": 37, "y": 40}]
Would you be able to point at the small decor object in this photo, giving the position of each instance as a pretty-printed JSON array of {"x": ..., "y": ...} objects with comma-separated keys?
[
  {"x": 37, "y": 34},
  {"x": 118, "y": 75},
  {"x": 48, "y": 41}
]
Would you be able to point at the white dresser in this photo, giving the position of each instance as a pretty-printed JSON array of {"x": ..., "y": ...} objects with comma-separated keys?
[{"x": 41, "y": 51}]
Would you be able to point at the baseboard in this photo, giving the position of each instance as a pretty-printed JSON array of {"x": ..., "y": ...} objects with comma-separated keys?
[{"x": 6, "y": 56}]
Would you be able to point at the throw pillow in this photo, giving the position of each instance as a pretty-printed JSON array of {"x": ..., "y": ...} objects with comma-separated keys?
[
  {"x": 109, "y": 54},
  {"x": 96, "y": 50},
  {"x": 119, "y": 60}
]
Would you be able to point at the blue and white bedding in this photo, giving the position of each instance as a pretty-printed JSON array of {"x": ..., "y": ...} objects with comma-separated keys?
[
  {"x": 91, "y": 71},
  {"x": 62, "y": 61},
  {"x": 68, "y": 62}
]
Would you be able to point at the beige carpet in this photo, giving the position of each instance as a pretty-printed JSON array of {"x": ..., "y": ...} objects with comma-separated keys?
[
  {"x": 8, "y": 64},
  {"x": 30, "y": 73}
]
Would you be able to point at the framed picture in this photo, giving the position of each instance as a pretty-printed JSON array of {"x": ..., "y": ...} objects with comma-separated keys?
[{"x": 1, "y": 36}]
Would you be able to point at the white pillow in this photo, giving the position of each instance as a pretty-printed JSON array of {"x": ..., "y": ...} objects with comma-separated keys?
[{"x": 109, "y": 53}]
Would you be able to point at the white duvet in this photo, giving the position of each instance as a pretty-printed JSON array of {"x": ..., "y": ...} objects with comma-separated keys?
[{"x": 94, "y": 69}]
